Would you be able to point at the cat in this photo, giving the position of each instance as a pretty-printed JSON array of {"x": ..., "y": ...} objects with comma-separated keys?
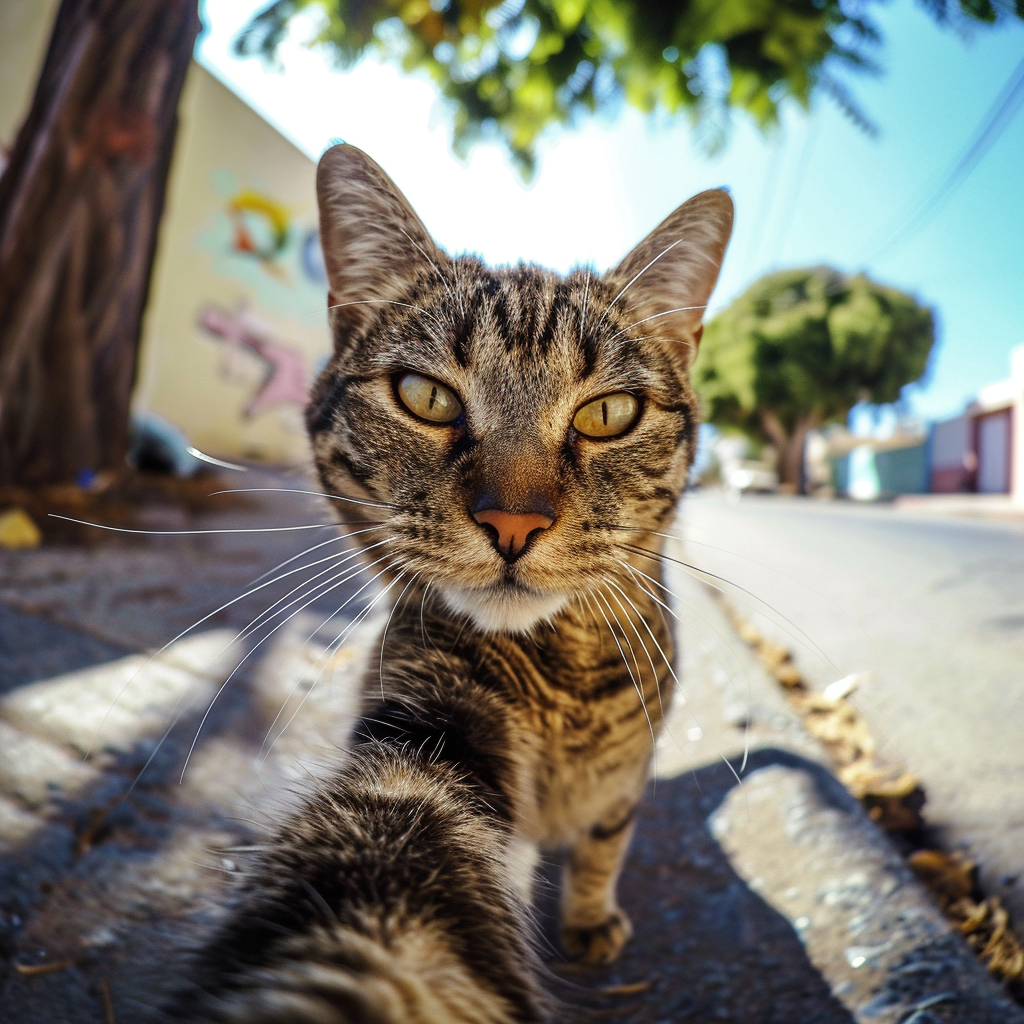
[{"x": 510, "y": 443}]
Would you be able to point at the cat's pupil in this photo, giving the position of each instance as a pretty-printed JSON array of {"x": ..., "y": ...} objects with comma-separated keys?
[
  {"x": 433, "y": 397},
  {"x": 604, "y": 413}
]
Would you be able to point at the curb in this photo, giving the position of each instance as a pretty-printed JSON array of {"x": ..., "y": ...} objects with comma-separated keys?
[{"x": 801, "y": 841}]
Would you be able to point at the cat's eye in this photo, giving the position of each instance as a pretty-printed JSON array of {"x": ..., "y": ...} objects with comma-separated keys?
[
  {"x": 428, "y": 399},
  {"x": 607, "y": 416}
]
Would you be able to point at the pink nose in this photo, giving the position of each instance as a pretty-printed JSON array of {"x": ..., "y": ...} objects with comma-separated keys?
[{"x": 513, "y": 529}]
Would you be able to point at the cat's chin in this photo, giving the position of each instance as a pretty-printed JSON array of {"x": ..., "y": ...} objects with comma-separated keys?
[{"x": 504, "y": 609}]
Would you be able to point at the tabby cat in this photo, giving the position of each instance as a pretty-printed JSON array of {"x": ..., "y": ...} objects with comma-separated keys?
[{"x": 517, "y": 440}]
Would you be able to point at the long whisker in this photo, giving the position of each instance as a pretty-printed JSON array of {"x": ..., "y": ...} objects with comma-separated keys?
[
  {"x": 358, "y": 617},
  {"x": 692, "y": 569},
  {"x": 662, "y": 606},
  {"x": 437, "y": 270},
  {"x": 675, "y": 678},
  {"x": 636, "y": 685},
  {"x": 625, "y": 637},
  {"x": 315, "y": 547},
  {"x": 188, "y": 629},
  {"x": 423, "y": 627},
  {"x": 597, "y": 625},
  {"x": 640, "y": 639},
  {"x": 296, "y": 490},
  {"x": 331, "y": 650},
  {"x": 249, "y": 653},
  {"x": 764, "y": 565},
  {"x": 629, "y": 284},
  {"x": 678, "y": 684},
  {"x": 325, "y": 586},
  {"x": 195, "y": 533},
  {"x": 637, "y": 323},
  {"x": 384, "y": 635},
  {"x": 387, "y": 302}
]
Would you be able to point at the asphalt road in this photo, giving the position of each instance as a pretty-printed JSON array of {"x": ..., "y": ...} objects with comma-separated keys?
[{"x": 933, "y": 609}]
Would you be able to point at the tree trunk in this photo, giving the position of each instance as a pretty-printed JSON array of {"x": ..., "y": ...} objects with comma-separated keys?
[
  {"x": 790, "y": 447},
  {"x": 80, "y": 203}
]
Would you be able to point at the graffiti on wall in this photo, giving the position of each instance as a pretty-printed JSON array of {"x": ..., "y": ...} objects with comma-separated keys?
[
  {"x": 284, "y": 379},
  {"x": 263, "y": 230},
  {"x": 264, "y": 308},
  {"x": 257, "y": 240}
]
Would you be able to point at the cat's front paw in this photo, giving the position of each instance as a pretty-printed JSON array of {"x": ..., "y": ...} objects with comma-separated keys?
[{"x": 600, "y": 943}]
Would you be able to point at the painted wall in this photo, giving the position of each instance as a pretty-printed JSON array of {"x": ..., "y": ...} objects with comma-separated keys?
[{"x": 236, "y": 327}]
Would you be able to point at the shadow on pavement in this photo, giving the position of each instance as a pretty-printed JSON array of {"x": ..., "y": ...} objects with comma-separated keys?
[{"x": 705, "y": 948}]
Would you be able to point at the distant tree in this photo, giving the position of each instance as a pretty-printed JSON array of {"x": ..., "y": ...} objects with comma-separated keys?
[
  {"x": 513, "y": 68},
  {"x": 800, "y": 348}
]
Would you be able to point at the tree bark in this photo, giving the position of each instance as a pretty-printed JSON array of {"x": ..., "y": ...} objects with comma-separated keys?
[
  {"x": 80, "y": 203},
  {"x": 790, "y": 447}
]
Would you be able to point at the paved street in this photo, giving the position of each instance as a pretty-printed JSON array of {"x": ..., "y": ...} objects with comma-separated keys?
[
  {"x": 933, "y": 609},
  {"x": 774, "y": 902}
]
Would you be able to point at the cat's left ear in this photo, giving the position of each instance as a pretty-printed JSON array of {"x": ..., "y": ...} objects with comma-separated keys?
[{"x": 668, "y": 278}]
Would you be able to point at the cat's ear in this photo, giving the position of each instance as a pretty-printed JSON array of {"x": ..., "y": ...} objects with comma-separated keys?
[
  {"x": 670, "y": 275},
  {"x": 374, "y": 244}
]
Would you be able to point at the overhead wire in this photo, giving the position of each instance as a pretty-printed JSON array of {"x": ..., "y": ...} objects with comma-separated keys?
[{"x": 992, "y": 125}]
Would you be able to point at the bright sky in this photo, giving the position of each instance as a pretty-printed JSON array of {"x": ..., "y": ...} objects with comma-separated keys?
[{"x": 819, "y": 191}]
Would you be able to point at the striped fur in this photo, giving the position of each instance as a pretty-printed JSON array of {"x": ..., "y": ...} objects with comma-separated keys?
[{"x": 514, "y": 703}]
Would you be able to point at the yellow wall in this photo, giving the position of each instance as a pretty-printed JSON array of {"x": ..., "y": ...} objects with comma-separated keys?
[{"x": 235, "y": 326}]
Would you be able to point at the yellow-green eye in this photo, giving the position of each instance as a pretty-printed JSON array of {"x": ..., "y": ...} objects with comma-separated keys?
[
  {"x": 607, "y": 416},
  {"x": 427, "y": 399}
]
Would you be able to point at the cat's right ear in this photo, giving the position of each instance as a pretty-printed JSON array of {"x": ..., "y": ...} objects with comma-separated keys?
[{"x": 374, "y": 244}]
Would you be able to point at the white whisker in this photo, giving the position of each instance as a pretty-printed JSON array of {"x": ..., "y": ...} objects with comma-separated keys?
[
  {"x": 315, "y": 547},
  {"x": 678, "y": 309},
  {"x": 668, "y": 664},
  {"x": 336, "y": 583},
  {"x": 636, "y": 685},
  {"x": 637, "y": 277},
  {"x": 693, "y": 570},
  {"x": 188, "y": 629},
  {"x": 194, "y": 533},
  {"x": 331, "y": 650},
  {"x": 654, "y": 597},
  {"x": 296, "y": 490},
  {"x": 384, "y": 635}
]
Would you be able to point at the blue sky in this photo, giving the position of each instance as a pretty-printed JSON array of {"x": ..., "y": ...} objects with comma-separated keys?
[{"x": 818, "y": 190}]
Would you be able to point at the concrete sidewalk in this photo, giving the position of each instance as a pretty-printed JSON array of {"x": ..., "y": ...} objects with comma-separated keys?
[{"x": 774, "y": 902}]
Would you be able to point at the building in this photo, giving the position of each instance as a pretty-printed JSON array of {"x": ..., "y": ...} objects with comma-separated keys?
[
  {"x": 982, "y": 450},
  {"x": 235, "y": 328}
]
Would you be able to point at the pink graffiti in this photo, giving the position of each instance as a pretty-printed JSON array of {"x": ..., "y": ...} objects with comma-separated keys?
[{"x": 286, "y": 380}]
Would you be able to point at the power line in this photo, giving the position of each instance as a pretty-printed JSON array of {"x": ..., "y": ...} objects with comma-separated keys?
[{"x": 997, "y": 118}]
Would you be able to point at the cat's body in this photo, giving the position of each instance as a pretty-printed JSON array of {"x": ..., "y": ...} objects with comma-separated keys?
[{"x": 511, "y": 443}]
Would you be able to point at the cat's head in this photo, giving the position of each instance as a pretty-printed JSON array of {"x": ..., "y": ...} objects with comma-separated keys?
[{"x": 510, "y": 427}]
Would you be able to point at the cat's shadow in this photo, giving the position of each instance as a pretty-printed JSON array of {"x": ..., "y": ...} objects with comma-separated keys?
[{"x": 705, "y": 946}]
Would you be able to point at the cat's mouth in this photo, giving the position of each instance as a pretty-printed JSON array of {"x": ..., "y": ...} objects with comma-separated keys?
[{"x": 507, "y": 606}]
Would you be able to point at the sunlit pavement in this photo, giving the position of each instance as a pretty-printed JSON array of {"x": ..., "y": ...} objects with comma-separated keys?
[
  {"x": 774, "y": 901},
  {"x": 932, "y": 607}
]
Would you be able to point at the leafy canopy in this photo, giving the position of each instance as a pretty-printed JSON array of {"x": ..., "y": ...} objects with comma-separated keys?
[
  {"x": 804, "y": 346},
  {"x": 512, "y": 68}
]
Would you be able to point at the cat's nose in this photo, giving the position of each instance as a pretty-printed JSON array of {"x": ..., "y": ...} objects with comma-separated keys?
[{"x": 512, "y": 532}]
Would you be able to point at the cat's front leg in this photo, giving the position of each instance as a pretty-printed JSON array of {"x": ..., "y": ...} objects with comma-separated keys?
[{"x": 594, "y": 927}]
